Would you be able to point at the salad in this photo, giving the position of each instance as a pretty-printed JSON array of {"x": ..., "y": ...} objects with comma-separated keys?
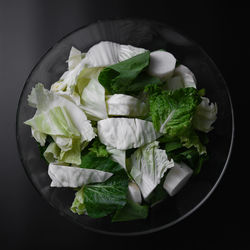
[{"x": 123, "y": 127}]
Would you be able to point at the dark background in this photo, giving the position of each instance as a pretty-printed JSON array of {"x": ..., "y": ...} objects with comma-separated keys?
[{"x": 29, "y": 28}]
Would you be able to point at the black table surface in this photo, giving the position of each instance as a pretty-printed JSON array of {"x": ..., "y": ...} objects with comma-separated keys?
[{"x": 28, "y": 29}]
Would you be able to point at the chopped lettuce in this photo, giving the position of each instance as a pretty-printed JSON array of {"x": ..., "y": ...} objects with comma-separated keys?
[
  {"x": 149, "y": 163},
  {"x": 39, "y": 136},
  {"x": 99, "y": 149},
  {"x": 101, "y": 199},
  {"x": 75, "y": 57},
  {"x": 92, "y": 94},
  {"x": 126, "y": 133},
  {"x": 125, "y": 163},
  {"x": 131, "y": 211},
  {"x": 126, "y": 105},
  {"x": 117, "y": 155},
  {"x": 205, "y": 115},
  {"x": 52, "y": 107},
  {"x": 127, "y": 76},
  {"x": 108, "y": 53},
  {"x": 73, "y": 155},
  {"x": 172, "y": 111},
  {"x": 52, "y": 152},
  {"x": 78, "y": 203},
  {"x": 73, "y": 176}
]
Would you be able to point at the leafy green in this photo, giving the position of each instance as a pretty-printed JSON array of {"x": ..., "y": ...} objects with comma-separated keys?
[
  {"x": 131, "y": 211},
  {"x": 149, "y": 163},
  {"x": 101, "y": 199},
  {"x": 189, "y": 156},
  {"x": 52, "y": 152},
  {"x": 92, "y": 161},
  {"x": 172, "y": 111},
  {"x": 78, "y": 203},
  {"x": 127, "y": 76},
  {"x": 73, "y": 155},
  {"x": 99, "y": 149}
]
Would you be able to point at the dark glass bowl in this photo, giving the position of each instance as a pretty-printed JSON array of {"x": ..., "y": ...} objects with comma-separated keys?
[{"x": 151, "y": 35}]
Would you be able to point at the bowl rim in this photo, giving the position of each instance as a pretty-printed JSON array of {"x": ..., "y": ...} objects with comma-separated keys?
[{"x": 191, "y": 211}]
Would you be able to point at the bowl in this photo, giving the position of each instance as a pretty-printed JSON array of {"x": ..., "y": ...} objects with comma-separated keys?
[{"x": 151, "y": 35}]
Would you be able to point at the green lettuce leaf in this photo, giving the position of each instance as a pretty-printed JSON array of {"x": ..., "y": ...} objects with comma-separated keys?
[
  {"x": 101, "y": 199},
  {"x": 172, "y": 111},
  {"x": 99, "y": 149},
  {"x": 127, "y": 76},
  {"x": 131, "y": 211}
]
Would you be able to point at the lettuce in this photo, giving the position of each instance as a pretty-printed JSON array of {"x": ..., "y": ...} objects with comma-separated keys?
[
  {"x": 78, "y": 203},
  {"x": 118, "y": 156},
  {"x": 172, "y": 111},
  {"x": 128, "y": 76},
  {"x": 57, "y": 115},
  {"x": 101, "y": 199},
  {"x": 205, "y": 115},
  {"x": 131, "y": 211},
  {"x": 92, "y": 94},
  {"x": 149, "y": 163},
  {"x": 73, "y": 176},
  {"x": 126, "y": 133},
  {"x": 126, "y": 105},
  {"x": 106, "y": 53},
  {"x": 51, "y": 154}
]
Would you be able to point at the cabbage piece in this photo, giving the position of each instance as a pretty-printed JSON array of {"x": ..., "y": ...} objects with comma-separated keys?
[
  {"x": 75, "y": 57},
  {"x": 118, "y": 155},
  {"x": 64, "y": 143},
  {"x": 51, "y": 107},
  {"x": 149, "y": 164},
  {"x": 72, "y": 176},
  {"x": 92, "y": 94},
  {"x": 205, "y": 115},
  {"x": 73, "y": 155},
  {"x": 51, "y": 154},
  {"x": 187, "y": 76},
  {"x": 78, "y": 203},
  {"x": 125, "y": 133},
  {"x": 39, "y": 136},
  {"x": 126, "y": 105},
  {"x": 107, "y": 53},
  {"x": 55, "y": 121}
]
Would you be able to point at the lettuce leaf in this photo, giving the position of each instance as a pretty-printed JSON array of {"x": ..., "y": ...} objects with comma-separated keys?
[
  {"x": 101, "y": 199},
  {"x": 127, "y": 76},
  {"x": 205, "y": 115},
  {"x": 131, "y": 211},
  {"x": 99, "y": 149},
  {"x": 172, "y": 111},
  {"x": 78, "y": 203},
  {"x": 92, "y": 94},
  {"x": 73, "y": 176},
  {"x": 56, "y": 115},
  {"x": 126, "y": 105},
  {"x": 149, "y": 163},
  {"x": 51, "y": 154},
  {"x": 126, "y": 133},
  {"x": 106, "y": 53}
]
